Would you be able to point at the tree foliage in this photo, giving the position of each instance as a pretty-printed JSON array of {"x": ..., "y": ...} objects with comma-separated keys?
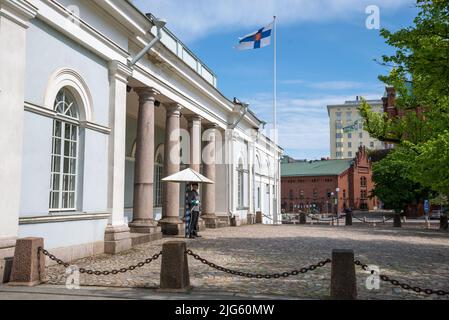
[
  {"x": 421, "y": 79},
  {"x": 392, "y": 185}
]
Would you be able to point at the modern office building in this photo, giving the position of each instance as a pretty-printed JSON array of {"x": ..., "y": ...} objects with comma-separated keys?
[{"x": 346, "y": 129}]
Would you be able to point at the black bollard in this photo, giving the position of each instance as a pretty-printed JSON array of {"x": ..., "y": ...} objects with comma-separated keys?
[
  {"x": 302, "y": 218},
  {"x": 397, "y": 223},
  {"x": 174, "y": 267},
  {"x": 348, "y": 219},
  {"x": 343, "y": 277},
  {"x": 443, "y": 222}
]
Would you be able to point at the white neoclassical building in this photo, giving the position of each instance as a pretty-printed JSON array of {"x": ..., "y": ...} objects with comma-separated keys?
[{"x": 86, "y": 135}]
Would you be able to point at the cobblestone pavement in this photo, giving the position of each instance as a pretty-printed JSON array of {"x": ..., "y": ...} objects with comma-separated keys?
[{"x": 412, "y": 255}]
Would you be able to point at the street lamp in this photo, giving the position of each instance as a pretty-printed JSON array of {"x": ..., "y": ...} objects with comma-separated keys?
[
  {"x": 332, "y": 203},
  {"x": 336, "y": 203}
]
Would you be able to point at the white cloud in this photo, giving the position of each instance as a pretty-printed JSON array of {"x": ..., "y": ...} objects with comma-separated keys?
[{"x": 194, "y": 19}]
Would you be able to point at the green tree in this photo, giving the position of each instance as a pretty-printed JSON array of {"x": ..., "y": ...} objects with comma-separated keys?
[{"x": 392, "y": 187}]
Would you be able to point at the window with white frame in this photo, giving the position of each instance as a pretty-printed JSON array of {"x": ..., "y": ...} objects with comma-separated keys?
[
  {"x": 64, "y": 154},
  {"x": 158, "y": 175},
  {"x": 240, "y": 187}
]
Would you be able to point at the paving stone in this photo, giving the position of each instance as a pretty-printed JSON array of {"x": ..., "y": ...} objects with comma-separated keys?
[{"x": 410, "y": 255}]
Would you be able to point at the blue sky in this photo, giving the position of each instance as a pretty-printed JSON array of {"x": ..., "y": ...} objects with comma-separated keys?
[{"x": 325, "y": 56}]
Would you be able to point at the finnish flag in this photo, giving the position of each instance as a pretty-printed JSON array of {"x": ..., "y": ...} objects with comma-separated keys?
[{"x": 256, "y": 40}]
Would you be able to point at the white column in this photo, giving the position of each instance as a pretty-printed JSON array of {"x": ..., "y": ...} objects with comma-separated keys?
[
  {"x": 117, "y": 236},
  {"x": 251, "y": 192},
  {"x": 14, "y": 17},
  {"x": 230, "y": 168}
]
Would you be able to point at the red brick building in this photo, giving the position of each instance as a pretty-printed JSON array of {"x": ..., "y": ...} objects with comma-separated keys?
[{"x": 328, "y": 184}]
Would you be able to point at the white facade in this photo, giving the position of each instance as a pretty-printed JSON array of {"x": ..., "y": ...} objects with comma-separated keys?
[{"x": 48, "y": 47}]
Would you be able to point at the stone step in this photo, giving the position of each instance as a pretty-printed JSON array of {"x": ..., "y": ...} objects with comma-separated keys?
[{"x": 141, "y": 238}]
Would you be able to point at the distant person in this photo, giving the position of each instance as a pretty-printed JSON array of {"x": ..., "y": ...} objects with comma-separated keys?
[
  {"x": 193, "y": 205},
  {"x": 426, "y": 219}
]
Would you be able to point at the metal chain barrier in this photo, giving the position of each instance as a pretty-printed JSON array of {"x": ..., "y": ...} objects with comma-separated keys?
[
  {"x": 268, "y": 217},
  {"x": 102, "y": 273},
  {"x": 403, "y": 285},
  {"x": 331, "y": 219},
  {"x": 372, "y": 222},
  {"x": 258, "y": 275}
]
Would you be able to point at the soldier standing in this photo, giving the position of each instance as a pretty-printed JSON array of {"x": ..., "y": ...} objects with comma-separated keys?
[{"x": 193, "y": 205}]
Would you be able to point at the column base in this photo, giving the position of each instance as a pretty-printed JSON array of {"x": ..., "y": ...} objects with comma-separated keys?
[
  {"x": 236, "y": 222},
  {"x": 211, "y": 221},
  {"x": 201, "y": 224},
  {"x": 117, "y": 239},
  {"x": 172, "y": 226},
  {"x": 251, "y": 218},
  {"x": 141, "y": 238},
  {"x": 145, "y": 226}
]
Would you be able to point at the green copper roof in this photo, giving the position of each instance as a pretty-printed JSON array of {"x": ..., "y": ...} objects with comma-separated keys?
[{"x": 315, "y": 168}]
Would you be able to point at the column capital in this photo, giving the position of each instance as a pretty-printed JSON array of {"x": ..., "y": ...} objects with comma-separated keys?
[
  {"x": 173, "y": 109},
  {"x": 211, "y": 126},
  {"x": 193, "y": 118},
  {"x": 147, "y": 93},
  {"x": 119, "y": 71},
  {"x": 18, "y": 11}
]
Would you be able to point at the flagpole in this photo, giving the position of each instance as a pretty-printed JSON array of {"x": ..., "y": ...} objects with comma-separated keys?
[
  {"x": 275, "y": 82},
  {"x": 276, "y": 187}
]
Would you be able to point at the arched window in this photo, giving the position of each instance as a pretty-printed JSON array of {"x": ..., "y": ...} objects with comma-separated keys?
[
  {"x": 240, "y": 181},
  {"x": 64, "y": 154},
  {"x": 158, "y": 175},
  {"x": 363, "y": 181},
  {"x": 258, "y": 165}
]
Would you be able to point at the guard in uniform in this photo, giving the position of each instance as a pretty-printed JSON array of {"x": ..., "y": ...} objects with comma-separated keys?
[{"x": 192, "y": 211}]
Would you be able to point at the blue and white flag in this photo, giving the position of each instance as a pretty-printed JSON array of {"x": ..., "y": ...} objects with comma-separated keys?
[{"x": 256, "y": 40}]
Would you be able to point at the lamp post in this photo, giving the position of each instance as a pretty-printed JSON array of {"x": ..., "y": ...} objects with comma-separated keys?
[{"x": 336, "y": 203}]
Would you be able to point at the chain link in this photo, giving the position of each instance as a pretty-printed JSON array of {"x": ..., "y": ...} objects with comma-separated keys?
[
  {"x": 377, "y": 222},
  {"x": 402, "y": 285},
  {"x": 105, "y": 272},
  {"x": 258, "y": 275}
]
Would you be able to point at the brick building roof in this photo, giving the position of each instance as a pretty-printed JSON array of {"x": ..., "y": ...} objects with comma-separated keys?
[{"x": 315, "y": 168}]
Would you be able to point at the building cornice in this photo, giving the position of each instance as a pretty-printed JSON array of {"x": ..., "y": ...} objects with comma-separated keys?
[
  {"x": 55, "y": 14},
  {"x": 119, "y": 71},
  {"x": 18, "y": 11}
]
